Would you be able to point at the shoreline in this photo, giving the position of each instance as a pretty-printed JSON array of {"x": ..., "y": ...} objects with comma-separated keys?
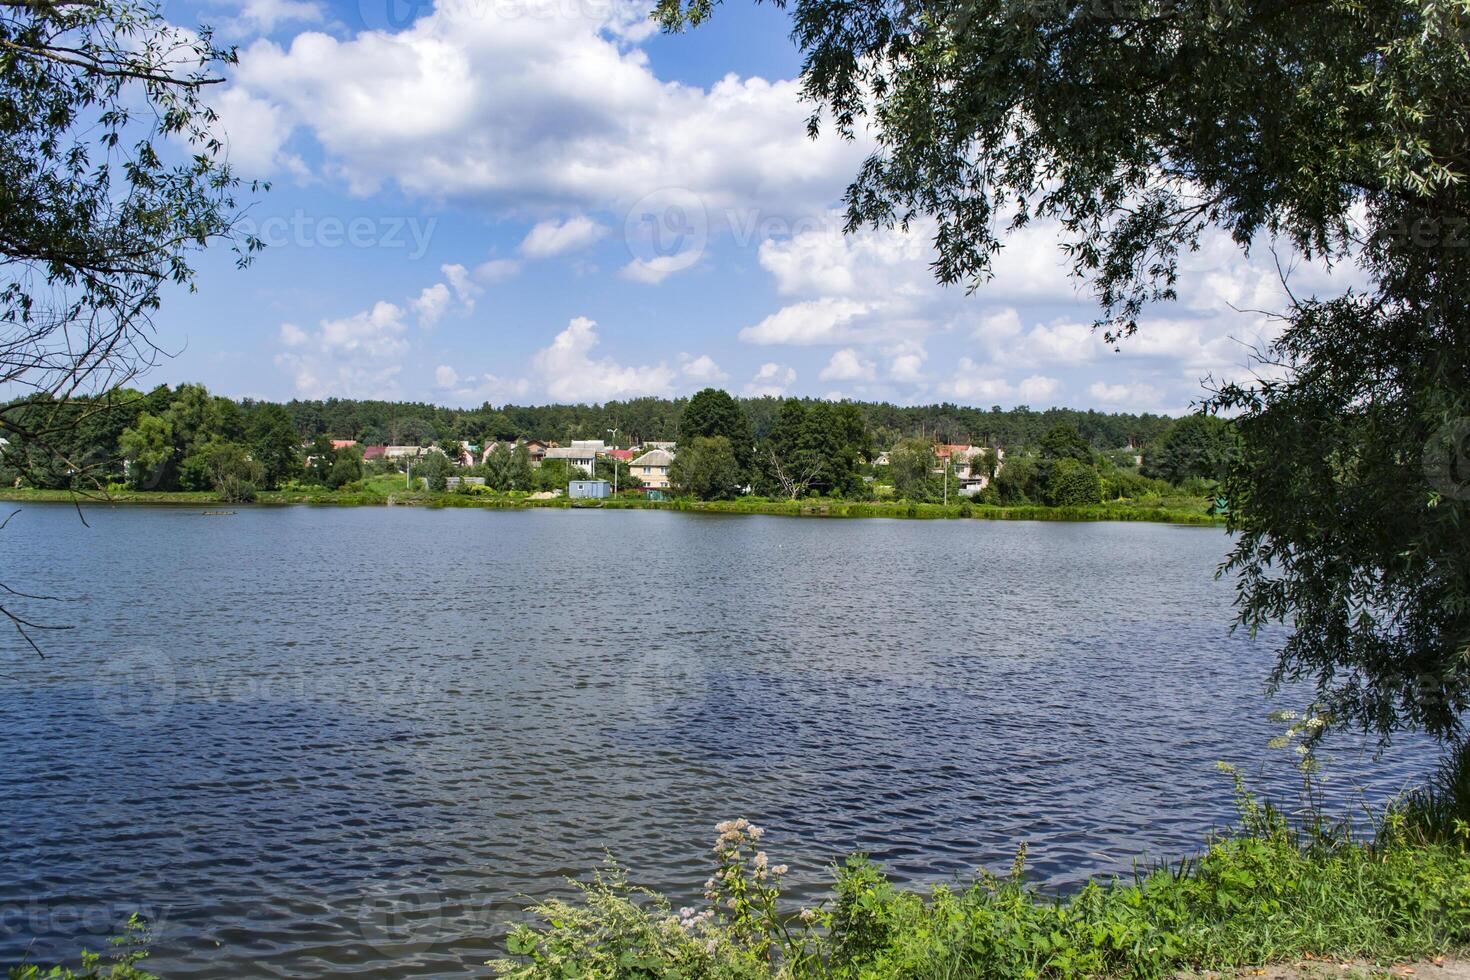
[{"x": 1119, "y": 511}]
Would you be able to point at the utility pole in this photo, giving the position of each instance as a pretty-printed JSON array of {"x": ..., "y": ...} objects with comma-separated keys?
[{"x": 614, "y": 461}]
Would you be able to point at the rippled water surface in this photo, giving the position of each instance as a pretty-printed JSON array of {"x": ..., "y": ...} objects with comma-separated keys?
[{"x": 309, "y": 742}]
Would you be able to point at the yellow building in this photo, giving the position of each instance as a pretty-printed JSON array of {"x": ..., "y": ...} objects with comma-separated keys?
[{"x": 653, "y": 468}]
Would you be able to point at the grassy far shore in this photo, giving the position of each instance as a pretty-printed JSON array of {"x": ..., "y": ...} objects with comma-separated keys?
[{"x": 390, "y": 491}]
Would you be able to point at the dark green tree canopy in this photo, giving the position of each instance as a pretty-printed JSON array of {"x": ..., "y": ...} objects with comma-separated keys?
[
  {"x": 111, "y": 174},
  {"x": 706, "y": 468},
  {"x": 1136, "y": 125},
  {"x": 434, "y": 468},
  {"x": 1196, "y": 446},
  {"x": 273, "y": 443},
  {"x": 712, "y": 412},
  {"x": 1070, "y": 483},
  {"x": 911, "y": 466},
  {"x": 1062, "y": 441}
]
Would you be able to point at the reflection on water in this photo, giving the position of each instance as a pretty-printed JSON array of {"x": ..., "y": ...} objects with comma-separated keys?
[{"x": 309, "y": 741}]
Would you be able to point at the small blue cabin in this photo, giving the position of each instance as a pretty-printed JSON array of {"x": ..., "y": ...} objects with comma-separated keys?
[{"x": 589, "y": 489}]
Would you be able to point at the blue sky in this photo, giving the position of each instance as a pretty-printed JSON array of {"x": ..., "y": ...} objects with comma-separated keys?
[{"x": 546, "y": 200}]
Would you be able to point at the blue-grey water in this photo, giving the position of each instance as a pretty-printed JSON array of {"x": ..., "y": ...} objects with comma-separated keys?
[{"x": 311, "y": 742}]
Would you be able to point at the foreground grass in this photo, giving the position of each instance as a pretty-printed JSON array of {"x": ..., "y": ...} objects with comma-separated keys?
[
  {"x": 1174, "y": 510},
  {"x": 1264, "y": 893},
  {"x": 1267, "y": 892}
]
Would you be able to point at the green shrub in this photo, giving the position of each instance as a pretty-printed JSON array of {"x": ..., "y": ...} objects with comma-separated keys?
[
  {"x": 1268, "y": 891},
  {"x": 121, "y": 964},
  {"x": 1439, "y": 812},
  {"x": 1118, "y": 484},
  {"x": 234, "y": 490},
  {"x": 1072, "y": 484}
]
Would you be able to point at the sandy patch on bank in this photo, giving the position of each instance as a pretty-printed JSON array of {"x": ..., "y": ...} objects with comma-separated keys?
[{"x": 1438, "y": 968}]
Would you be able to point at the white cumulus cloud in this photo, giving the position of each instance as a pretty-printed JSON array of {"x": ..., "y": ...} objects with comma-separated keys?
[
  {"x": 496, "y": 270},
  {"x": 351, "y": 356},
  {"x": 701, "y": 369},
  {"x": 848, "y": 365},
  {"x": 552, "y": 238},
  {"x": 570, "y": 373},
  {"x": 540, "y": 102},
  {"x": 430, "y": 305},
  {"x": 771, "y": 380}
]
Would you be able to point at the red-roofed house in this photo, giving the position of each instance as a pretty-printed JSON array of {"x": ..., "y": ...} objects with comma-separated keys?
[
  {"x": 535, "y": 447},
  {"x": 967, "y": 468}
]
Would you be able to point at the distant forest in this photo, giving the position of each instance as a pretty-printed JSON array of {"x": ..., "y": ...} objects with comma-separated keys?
[{"x": 643, "y": 419}]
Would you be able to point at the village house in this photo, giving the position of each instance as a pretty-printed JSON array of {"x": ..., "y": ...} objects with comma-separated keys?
[
  {"x": 653, "y": 468},
  {"x": 582, "y": 453},
  {"x": 535, "y": 447},
  {"x": 968, "y": 465},
  {"x": 402, "y": 452}
]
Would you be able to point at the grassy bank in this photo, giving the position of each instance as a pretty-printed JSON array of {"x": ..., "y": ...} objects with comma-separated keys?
[
  {"x": 1180, "y": 510},
  {"x": 1266, "y": 892}
]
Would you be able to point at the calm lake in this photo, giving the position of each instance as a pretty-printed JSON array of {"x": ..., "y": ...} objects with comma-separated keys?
[{"x": 308, "y": 741}]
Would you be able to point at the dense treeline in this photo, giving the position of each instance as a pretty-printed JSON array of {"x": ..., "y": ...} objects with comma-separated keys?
[
  {"x": 185, "y": 438},
  {"x": 641, "y": 419}
]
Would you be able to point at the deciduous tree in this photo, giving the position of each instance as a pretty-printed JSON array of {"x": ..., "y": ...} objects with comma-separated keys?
[
  {"x": 911, "y": 466},
  {"x": 99, "y": 212},
  {"x": 1198, "y": 446},
  {"x": 712, "y": 413},
  {"x": 273, "y": 443},
  {"x": 707, "y": 468}
]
